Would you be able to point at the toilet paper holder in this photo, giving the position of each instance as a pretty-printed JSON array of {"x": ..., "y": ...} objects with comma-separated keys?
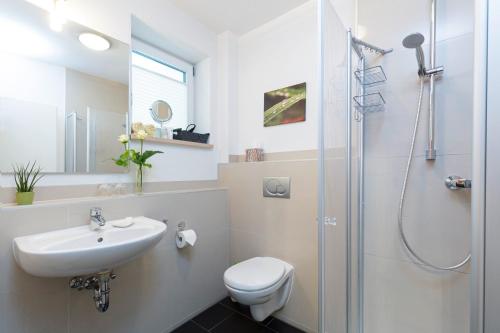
[
  {"x": 184, "y": 237},
  {"x": 181, "y": 226}
]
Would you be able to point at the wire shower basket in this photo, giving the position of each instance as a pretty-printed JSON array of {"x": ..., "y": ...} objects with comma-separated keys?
[
  {"x": 373, "y": 102},
  {"x": 371, "y": 76},
  {"x": 370, "y": 101}
]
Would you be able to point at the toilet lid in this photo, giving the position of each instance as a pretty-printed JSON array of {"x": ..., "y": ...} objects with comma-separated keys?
[{"x": 255, "y": 274}]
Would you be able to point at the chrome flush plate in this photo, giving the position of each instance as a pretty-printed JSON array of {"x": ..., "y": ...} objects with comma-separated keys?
[{"x": 276, "y": 187}]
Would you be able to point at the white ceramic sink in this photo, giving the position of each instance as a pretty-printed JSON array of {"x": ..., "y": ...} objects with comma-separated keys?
[{"x": 80, "y": 251}]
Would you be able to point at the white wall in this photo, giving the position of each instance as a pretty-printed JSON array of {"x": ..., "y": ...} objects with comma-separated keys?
[
  {"x": 178, "y": 164},
  {"x": 32, "y": 81},
  {"x": 41, "y": 85},
  {"x": 33, "y": 127},
  {"x": 347, "y": 12},
  {"x": 227, "y": 94},
  {"x": 280, "y": 53}
]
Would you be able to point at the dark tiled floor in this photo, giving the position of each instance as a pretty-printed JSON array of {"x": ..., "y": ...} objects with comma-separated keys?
[{"x": 229, "y": 317}]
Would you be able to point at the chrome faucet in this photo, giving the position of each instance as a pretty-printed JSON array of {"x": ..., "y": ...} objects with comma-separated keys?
[{"x": 97, "y": 221}]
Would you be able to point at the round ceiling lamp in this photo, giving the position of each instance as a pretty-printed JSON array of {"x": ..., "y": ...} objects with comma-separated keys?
[{"x": 94, "y": 41}]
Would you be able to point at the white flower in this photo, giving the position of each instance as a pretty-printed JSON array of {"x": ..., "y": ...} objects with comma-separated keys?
[
  {"x": 136, "y": 127},
  {"x": 123, "y": 138},
  {"x": 150, "y": 129},
  {"x": 141, "y": 135}
]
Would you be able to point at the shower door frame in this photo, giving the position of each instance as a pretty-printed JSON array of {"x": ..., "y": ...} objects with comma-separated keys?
[
  {"x": 322, "y": 219},
  {"x": 482, "y": 213}
]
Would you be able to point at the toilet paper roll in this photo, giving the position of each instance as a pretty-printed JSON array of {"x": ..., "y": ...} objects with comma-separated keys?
[{"x": 185, "y": 238}]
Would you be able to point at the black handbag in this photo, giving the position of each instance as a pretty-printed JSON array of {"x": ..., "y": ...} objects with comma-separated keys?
[{"x": 189, "y": 135}]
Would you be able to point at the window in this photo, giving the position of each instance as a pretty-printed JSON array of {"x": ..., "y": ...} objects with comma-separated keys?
[{"x": 157, "y": 75}]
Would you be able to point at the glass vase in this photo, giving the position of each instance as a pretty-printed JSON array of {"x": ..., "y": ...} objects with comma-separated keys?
[{"x": 138, "y": 179}]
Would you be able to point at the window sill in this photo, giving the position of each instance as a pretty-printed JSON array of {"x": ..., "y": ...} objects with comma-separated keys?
[{"x": 181, "y": 143}]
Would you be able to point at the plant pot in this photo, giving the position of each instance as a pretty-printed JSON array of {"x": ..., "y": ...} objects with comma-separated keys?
[{"x": 25, "y": 198}]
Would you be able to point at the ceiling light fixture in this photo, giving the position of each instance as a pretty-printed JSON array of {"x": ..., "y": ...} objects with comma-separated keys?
[
  {"x": 94, "y": 41},
  {"x": 58, "y": 15}
]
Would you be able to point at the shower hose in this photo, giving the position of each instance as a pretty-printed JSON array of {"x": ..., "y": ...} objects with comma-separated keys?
[{"x": 403, "y": 195}]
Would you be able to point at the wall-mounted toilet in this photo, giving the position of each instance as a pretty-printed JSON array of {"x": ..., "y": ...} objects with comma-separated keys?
[{"x": 263, "y": 283}]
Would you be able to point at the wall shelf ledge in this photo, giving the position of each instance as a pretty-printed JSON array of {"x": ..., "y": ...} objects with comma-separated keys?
[{"x": 172, "y": 142}]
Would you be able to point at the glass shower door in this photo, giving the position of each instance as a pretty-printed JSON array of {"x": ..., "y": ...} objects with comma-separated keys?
[{"x": 337, "y": 179}]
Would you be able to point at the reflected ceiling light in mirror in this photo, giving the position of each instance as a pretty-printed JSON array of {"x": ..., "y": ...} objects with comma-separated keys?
[
  {"x": 58, "y": 15},
  {"x": 22, "y": 39},
  {"x": 94, "y": 41}
]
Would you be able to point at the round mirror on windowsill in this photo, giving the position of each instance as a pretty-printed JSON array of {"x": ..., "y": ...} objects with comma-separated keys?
[{"x": 161, "y": 112}]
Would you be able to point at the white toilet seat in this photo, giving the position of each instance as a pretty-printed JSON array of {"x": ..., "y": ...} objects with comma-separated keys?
[
  {"x": 257, "y": 294},
  {"x": 263, "y": 283},
  {"x": 255, "y": 274}
]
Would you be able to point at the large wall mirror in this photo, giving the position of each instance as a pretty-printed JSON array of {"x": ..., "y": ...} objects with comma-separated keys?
[{"x": 63, "y": 93}]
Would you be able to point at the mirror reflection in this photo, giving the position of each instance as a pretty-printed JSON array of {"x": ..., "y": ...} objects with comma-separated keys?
[
  {"x": 63, "y": 93},
  {"x": 161, "y": 112}
]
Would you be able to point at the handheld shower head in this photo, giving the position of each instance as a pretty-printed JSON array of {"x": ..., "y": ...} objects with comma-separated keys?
[{"x": 415, "y": 41}]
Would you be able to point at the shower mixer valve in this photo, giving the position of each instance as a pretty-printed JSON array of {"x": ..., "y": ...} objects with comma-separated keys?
[{"x": 457, "y": 182}]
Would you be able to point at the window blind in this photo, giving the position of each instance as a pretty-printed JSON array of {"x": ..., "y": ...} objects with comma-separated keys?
[{"x": 148, "y": 86}]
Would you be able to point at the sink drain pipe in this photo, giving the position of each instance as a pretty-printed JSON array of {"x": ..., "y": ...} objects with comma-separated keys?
[{"x": 99, "y": 284}]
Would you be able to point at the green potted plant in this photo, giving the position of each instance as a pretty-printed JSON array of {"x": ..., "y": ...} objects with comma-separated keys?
[
  {"x": 139, "y": 158},
  {"x": 26, "y": 177}
]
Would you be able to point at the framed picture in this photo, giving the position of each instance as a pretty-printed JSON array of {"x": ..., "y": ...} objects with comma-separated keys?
[{"x": 285, "y": 105}]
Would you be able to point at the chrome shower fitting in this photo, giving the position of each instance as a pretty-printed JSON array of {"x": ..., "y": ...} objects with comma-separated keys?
[
  {"x": 368, "y": 77},
  {"x": 457, "y": 182},
  {"x": 357, "y": 43},
  {"x": 415, "y": 41}
]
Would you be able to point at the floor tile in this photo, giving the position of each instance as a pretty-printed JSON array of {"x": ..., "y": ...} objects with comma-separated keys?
[
  {"x": 240, "y": 324},
  {"x": 189, "y": 327},
  {"x": 282, "y": 327},
  {"x": 242, "y": 309},
  {"x": 212, "y": 316},
  {"x": 229, "y": 316}
]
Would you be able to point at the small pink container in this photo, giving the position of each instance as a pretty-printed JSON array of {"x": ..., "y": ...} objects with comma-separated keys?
[{"x": 254, "y": 155}]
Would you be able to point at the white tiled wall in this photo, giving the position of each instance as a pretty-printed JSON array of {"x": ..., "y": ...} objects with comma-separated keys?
[
  {"x": 399, "y": 295},
  {"x": 151, "y": 294}
]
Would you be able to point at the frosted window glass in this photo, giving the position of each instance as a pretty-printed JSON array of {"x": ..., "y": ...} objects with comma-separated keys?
[
  {"x": 143, "y": 61},
  {"x": 149, "y": 86}
]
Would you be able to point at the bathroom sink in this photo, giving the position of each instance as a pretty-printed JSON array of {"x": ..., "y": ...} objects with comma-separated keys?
[{"x": 80, "y": 250}]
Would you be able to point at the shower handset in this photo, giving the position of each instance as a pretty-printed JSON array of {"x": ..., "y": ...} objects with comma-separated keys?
[{"x": 415, "y": 41}]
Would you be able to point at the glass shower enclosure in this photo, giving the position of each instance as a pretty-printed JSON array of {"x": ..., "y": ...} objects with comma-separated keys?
[{"x": 370, "y": 280}]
